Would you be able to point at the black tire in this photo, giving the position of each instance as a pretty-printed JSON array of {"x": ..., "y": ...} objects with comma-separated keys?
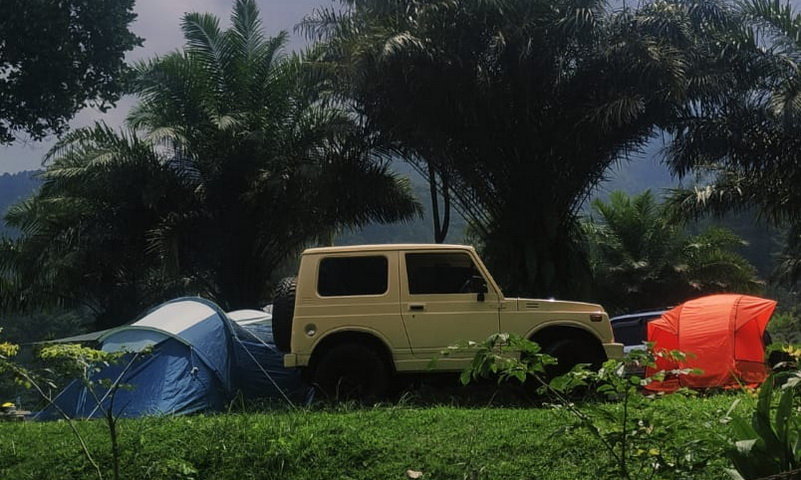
[
  {"x": 570, "y": 351},
  {"x": 351, "y": 371},
  {"x": 283, "y": 312}
]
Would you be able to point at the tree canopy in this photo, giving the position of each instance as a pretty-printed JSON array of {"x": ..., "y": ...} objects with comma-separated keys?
[
  {"x": 747, "y": 138},
  {"x": 643, "y": 259},
  {"x": 238, "y": 155},
  {"x": 521, "y": 105},
  {"x": 56, "y": 57},
  {"x": 233, "y": 161}
]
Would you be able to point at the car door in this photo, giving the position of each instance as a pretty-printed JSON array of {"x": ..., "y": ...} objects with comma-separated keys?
[
  {"x": 437, "y": 304},
  {"x": 350, "y": 291}
]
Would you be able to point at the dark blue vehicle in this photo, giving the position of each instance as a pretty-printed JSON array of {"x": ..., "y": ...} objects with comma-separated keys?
[{"x": 632, "y": 329}]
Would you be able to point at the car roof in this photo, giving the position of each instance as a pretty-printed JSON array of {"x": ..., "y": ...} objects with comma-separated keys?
[
  {"x": 628, "y": 316},
  {"x": 385, "y": 247}
]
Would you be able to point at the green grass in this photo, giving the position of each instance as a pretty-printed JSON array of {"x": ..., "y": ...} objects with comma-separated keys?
[{"x": 360, "y": 443}]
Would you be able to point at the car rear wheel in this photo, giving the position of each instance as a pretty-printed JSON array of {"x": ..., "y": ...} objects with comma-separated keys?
[{"x": 351, "y": 371}]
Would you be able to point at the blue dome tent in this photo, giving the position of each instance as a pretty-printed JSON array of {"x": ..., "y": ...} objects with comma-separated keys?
[
  {"x": 259, "y": 367},
  {"x": 193, "y": 360}
]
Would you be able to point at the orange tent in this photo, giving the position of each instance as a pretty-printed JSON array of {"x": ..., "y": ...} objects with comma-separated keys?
[{"x": 722, "y": 335}]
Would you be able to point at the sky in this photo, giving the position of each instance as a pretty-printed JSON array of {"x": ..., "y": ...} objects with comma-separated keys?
[{"x": 158, "y": 24}]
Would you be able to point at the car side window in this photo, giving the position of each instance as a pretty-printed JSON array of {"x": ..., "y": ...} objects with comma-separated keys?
[
  {"x": 346, "y": 276},
  {"x": 439, "y": 273}
]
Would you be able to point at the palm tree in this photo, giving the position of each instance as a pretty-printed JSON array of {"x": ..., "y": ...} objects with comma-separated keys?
[
  {"x": 748, "y": 139},
  {"x": 641, "y": 259},
  {"x": 84, "y": 237},
  {"x": 518, "y": 105},
  {"x": 234, "y": 161}
]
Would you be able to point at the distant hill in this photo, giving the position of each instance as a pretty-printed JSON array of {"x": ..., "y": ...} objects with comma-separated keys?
[
  {"x": 642, "y": 171},
  {"x": 418, "y": 230},
  {"x": 13, "y": 188}
]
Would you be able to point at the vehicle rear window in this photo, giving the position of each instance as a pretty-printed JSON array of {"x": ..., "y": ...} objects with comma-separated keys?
[
  {"x": 632, "y": 330},
  {"x": 432, "y": 273},
  {"x": 629, "y": 331},
  {"x": 344, "y": 276}
]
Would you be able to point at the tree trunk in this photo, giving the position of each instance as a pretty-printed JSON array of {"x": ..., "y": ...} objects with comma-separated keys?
[
  {"x": 536, "y": 255},
  {"x": 440, "y": 225}
]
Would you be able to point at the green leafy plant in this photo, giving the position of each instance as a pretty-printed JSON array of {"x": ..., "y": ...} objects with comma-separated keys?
[
  {"x": 500, "y": 356},
  {"x": 82, "y": 363},
  {"x": 629, "y": 434},
  {"x": 769, "y": 441},
  {"x": 27, "y": 378},
  {"x": 783, "y": 356},
  {"x": 171, "y": 468},
  {"x": 785, "y": 326}
]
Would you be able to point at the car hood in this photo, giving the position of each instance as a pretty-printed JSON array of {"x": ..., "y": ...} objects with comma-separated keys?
[{"x": 550, "y": 305}]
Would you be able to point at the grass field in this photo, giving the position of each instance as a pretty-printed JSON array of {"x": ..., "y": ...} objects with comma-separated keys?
[{"x": 366, "y": 443}]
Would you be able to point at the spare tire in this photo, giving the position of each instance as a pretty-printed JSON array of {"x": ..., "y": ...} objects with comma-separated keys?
[{"x": 283, "y": 312}]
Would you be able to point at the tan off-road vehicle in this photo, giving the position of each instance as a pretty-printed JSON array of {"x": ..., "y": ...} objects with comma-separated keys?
[{"x": 355, "y": 316}]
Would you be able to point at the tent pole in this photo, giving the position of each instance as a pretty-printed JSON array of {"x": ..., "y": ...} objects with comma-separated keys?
[{"x": 266, "y": 374}]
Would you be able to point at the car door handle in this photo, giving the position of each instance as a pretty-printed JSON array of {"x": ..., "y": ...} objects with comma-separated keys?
[{"x": 417, "y": 307}]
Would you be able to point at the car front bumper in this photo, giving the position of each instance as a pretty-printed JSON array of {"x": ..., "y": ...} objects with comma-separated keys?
[{"x": 613, "y": 350}]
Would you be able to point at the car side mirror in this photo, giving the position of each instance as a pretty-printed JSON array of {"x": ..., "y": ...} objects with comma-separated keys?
[{"x": 478, "y": 285}]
